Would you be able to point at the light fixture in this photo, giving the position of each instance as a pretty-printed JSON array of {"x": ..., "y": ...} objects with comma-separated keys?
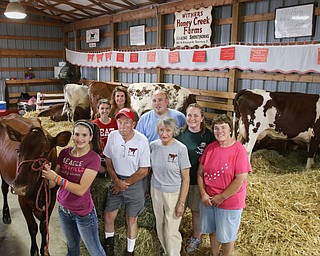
[{"x": 15, "y": 10}]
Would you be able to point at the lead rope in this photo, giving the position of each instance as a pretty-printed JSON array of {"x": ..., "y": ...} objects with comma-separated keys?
[{"x": 47, "y": 191}]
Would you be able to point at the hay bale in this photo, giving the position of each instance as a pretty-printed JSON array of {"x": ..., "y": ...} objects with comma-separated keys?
[{"x": 99, "y": 191}]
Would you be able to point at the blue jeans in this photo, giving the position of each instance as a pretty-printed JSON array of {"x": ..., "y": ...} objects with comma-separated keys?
[{"x": 75, "y": 227}]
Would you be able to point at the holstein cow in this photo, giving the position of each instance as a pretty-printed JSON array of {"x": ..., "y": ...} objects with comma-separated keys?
[
  {"x": 97, "y": 91},
  {"x": 280, "y": 115},
  {"x": 55, "y": 113},
  {"x": 141, "y": 95},
  {"x": 75, "y": 95},
  {"x": 25, "y": 148}
]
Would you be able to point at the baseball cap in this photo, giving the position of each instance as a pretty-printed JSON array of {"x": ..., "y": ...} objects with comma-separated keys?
[{"x": 128, "y": 112}]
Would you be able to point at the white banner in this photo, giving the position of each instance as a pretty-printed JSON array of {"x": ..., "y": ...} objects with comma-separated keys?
[
  {"x": 193, "y": 27},
  {"x": 283, "y": 59}
]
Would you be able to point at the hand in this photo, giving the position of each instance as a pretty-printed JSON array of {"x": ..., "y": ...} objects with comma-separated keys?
[
  {"x": 216, "y": 200},
  {"x": 179, "y": 210},
  {"x": 119, "y": 186},
  {"x": 206, "y": 200},
  {"x": 47, "y": 173}
]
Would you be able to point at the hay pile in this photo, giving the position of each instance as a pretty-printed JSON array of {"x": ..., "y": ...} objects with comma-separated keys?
[{"x": 282, "y": 215}]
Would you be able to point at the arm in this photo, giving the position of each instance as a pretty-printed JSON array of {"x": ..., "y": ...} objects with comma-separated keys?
[
  {"x": 119, "y": 185},
  {"x": 231, "y": 190},
  {"x": 203, "y": 194},
  {"x": 183, "y": 192},
  {"x": 138, "y": 175},
  {"x": 77, "y": 189}
]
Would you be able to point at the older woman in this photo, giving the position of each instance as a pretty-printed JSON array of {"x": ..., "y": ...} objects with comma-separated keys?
[
  {"x": 222, "y": 179},
  {"x": 169, "y": 184}
]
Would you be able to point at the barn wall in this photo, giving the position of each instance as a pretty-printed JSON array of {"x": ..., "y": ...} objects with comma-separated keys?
[
  {"x": 30, "y": 46},
  {"x": 260, "y": 30}
]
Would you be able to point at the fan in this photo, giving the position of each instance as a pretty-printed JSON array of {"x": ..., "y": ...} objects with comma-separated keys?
[{"x": 69, "y": 73}]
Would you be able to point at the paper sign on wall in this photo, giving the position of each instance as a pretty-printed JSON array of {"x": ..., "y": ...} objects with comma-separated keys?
[{"x": 193, "y": 27}]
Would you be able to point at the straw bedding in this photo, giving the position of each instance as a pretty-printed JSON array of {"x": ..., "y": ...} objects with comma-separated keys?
[{"x": 282, "y": 216}]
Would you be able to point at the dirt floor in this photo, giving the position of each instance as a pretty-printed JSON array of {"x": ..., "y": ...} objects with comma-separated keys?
[{"x": 15, "y": 238}]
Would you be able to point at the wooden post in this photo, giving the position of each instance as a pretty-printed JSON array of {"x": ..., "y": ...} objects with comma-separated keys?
[
  {"x": 160, "y": 30},
  {"x": 114, "y": 43},
  {"x": 233, "y": 74}
]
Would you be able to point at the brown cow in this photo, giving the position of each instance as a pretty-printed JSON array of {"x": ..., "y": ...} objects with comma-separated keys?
[
  {"x": 97, "y": 91},
  {"x": 25, "y": 147},
  {"x": 56, "y": 115},
  {"x": 280, "y": 115}
]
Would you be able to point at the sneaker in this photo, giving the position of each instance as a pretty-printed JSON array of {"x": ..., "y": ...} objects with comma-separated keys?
[
  {"x": 109, "y": 246},
  {"x": 193, "y": 245},
  {"x": 130, "y": 253}
]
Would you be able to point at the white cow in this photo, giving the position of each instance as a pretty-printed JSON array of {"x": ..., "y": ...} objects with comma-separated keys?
[
  {"x": 75, "y": 95},
  {"x": 141, "y": 96}
]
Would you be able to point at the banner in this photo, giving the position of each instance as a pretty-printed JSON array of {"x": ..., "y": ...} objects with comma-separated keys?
[
  {"x": 193, "y": 27},
  {"x": 268, "y": 58}
]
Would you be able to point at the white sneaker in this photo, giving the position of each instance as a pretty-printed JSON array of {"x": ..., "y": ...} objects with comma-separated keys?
[{"x": 193, "y": 245}]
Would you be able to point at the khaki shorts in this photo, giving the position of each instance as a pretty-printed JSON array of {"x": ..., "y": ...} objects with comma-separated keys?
[{"x": 193, "y": 198}]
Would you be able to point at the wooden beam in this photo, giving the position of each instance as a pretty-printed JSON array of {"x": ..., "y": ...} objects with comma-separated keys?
[{"x": 9, "y": 53}]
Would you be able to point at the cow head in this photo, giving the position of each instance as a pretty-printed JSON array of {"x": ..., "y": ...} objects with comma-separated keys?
[{"x": 36, "y": 148}]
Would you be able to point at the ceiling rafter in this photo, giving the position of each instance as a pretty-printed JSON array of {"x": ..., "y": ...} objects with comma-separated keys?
[{"x": 76, "y": 10}]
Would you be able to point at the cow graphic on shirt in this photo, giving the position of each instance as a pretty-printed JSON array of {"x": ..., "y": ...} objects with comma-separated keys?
[
  {"x": 172, "y": 158},
  {"x": 132, "y": 151}
]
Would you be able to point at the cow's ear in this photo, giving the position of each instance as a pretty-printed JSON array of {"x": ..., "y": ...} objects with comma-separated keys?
[
  {"x": 62, "y": 139},
  {"x": 13, "y": 134}
]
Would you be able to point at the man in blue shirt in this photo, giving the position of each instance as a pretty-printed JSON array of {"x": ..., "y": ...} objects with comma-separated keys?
[{"x": 148, "y": 121}]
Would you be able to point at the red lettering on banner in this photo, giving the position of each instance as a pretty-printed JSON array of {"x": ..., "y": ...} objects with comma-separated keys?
[
  {"x": 227, "y": 53},
  {"x": 151, "y": 57},
  {"x": 134, "y": 57},
  {"x": 99, "y": 57},
  {"x": 90, "y": 57},
  {"x": 174, "y": 57},
  {"x": 199, "y": 56},
  {"x": 120, "y": 57},
  {"x": 259, "y": 54}
]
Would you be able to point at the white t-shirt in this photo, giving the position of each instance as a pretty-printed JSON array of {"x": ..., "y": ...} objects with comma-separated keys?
[{"x": 127, "y": 157}]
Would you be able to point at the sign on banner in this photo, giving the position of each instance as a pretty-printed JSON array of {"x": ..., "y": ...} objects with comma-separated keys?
[
  {"x": 227, "y": 53},
  {"x": 193, "y": 27},
  {"x": 259, "y": 54}
]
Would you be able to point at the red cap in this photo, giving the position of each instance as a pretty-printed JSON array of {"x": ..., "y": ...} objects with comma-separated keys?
[{"x": 128, "y": 112}]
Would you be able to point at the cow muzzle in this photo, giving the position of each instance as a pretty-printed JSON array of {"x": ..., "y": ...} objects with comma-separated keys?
[{"x": 19, "y": 190}]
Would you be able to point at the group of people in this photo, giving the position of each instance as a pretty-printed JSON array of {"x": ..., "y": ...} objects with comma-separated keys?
[{"x": 173, "y": 157}]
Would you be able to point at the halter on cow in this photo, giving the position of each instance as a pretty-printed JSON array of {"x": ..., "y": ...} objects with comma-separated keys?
[{"x": 23, "y": 172}]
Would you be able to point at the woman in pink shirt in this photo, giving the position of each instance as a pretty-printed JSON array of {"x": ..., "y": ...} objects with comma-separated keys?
[{"x": 222, "y": 179}]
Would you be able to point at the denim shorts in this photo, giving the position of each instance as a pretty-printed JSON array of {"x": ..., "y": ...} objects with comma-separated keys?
[{"x": 224, "y": 223}]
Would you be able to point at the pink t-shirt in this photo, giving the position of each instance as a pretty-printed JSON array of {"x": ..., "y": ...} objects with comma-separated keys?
[
  {"x": 105, "y": 129},
  {"x": 72, "y": 168},
  {"x": 220, "y": 167}
]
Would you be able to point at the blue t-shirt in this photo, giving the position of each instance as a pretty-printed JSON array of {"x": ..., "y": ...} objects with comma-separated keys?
[{"x": 148, "y": 123}]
